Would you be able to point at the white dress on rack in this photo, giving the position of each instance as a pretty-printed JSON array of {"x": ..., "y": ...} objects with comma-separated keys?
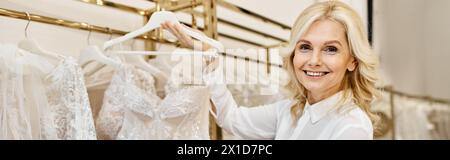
[
  {"x": 411, "y": 120},
  {"x": 69, "y": 103},
  {"x": 132, "y": 109},
  {"x": 14, "y": 122},
  {"x": 182, "y": 114},
  {"x": 41, "y": 101},
  {"x": 440, "y": 119},
  {"x": 127, "y": 85},
  {"x": 25, "y": 112}
]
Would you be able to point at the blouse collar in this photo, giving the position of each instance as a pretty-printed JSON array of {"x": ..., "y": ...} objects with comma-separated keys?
[{"x": 323, "y": 107}]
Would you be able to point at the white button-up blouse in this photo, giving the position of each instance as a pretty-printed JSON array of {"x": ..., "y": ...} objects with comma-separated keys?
[{"x": 274, "y": 121}]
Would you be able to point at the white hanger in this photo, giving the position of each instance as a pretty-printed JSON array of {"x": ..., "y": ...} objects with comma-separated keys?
[
  {"x": 155, "y": 21},
  {"x": 33, "y": 47},
  {"x": 157, "y": 53},
  {"x": 37, "y": 61},
  {"x": 139, "y": 62},
  {"x": 93, "y": 53},
  {"x": 133, "y": 59}
]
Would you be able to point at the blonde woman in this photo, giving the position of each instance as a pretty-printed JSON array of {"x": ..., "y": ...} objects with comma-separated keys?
[{"x": 333, "y": 74}]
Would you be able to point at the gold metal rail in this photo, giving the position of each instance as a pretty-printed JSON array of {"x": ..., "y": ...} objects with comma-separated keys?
[{"x": 72, "y": 24}]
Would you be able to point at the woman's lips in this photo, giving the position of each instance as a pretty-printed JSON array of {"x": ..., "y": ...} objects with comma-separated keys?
[{"x": 315, "y": 73}]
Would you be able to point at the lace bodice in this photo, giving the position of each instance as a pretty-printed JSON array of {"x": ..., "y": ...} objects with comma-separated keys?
[
  {"x": 132, "y": 110},
  {"x": 125, "y": 84},
  {"x": 69, "y": 103},
  {"x": 41, "y": 101},
  {"x": 182, "y": 114}
]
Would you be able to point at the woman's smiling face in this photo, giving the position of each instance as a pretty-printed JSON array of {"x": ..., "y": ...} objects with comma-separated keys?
[{"x": 322, "y": 57}]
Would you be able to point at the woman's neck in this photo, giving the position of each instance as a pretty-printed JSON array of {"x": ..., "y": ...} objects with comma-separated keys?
[{"x": 314, "y": 97}]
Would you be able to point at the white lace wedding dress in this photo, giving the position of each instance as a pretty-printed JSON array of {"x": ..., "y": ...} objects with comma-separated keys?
[
  {"x": 69, "y": 103},
  {"x": 132, "y": 110},
  {"x": 41, "y": 101},
  {"x": 24, "y": 109}
]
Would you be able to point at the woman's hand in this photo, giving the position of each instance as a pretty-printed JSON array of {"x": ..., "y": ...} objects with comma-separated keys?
[
  {"x": 188, "y": 42},
  {"x": 185, "y": 40}
]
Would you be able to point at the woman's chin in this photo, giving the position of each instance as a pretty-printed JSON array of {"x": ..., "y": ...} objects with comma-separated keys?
[{"x": 313, "y": 87}]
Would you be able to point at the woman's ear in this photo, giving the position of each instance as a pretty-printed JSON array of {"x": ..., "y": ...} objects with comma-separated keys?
[{"x": 352, "y": 64}]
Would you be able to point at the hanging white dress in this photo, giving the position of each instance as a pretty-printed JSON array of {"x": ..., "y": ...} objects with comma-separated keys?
[
  {"x": 126, "y": 86},
  {"x": 132, "y": 110},
  {"x": 25, "y": 112},
  {"x": 41, "y": 101},
  {"x": 182, "y": 114},
  {"x": 69, "y": 103},
  {"x": 14, "y": 123},
  {"x": 411, "y": 120}
]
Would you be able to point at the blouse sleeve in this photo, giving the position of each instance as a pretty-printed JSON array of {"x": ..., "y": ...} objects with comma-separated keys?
[{"x": 247, "y": 123}]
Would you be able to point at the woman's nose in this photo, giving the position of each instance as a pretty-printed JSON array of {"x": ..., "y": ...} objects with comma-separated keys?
[{"x": 315, "y": 59}]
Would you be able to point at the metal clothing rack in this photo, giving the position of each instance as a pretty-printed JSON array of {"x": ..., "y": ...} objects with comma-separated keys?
[
  {"x": 419, "y": 97},
  {"x": 210, "y": 25},
  {"x": 187, "y": 5},
  {"x": 210, "y": 28},
  {"x": 71, "y": 24},
  {"x": 392, "y": 94},
  {"x": 215, "y": 131}
]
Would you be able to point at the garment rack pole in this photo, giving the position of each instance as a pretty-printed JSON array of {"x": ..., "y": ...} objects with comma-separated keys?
[
  {"x": 408, "y": 95},
  {"x": 251, "y": 13},
  {"x": 117, "y": 6},
  {"x": 174, "y": 8},
  {"x": 393, "y": 117},
  {"x": 392, "y": 92},
  {"x": 242, "y": 27},
  {"x": 182, "y": 5},
  {"x": 71, "y": 24},
  {"x": 94, "y": 28}
]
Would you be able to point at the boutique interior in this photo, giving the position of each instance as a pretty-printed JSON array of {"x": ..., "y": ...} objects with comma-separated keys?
[{"x": 410, "y": 36}]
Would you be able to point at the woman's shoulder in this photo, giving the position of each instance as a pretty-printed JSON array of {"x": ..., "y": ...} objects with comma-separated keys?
[
  {"x": 351, "y": 115},
  {"x": 283, "y": 105}
]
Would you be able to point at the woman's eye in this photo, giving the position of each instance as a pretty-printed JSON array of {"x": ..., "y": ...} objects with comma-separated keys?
[
  {"x": 331, "y": 49},
  {"x": 305, "y": 48}
]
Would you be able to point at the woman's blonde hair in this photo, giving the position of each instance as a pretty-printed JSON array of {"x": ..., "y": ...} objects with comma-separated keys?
[{"x": 361, "y": 82}]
